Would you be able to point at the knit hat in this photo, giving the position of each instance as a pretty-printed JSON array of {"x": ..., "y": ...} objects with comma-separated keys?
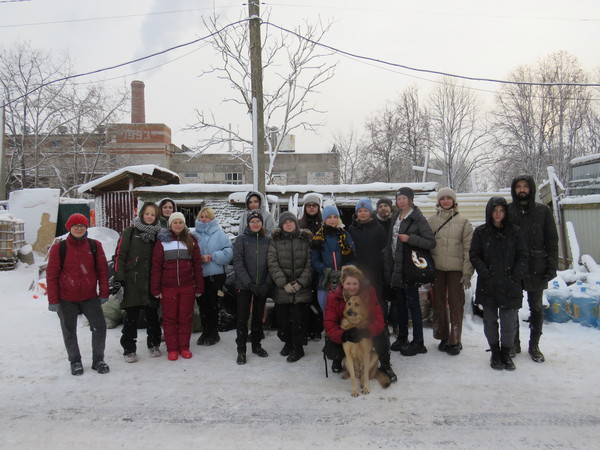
[
  {"x": 176, "y": 215},
  {"x": 77, "y": 219},
  {"x": 312, "y": 197},
  {"x": 330, "y": 210},
  {"x": 288, "y": 215},
  {"x": 446, "y": 192},
  {"x": 381, "y": 201},
  {"x": 407, "y": 192},
  {"x": 364, "y": 203},
  {"x": 254, "y": 214}
]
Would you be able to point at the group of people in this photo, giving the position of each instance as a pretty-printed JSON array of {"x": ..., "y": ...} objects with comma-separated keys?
[{"x": 310, "y": 266}]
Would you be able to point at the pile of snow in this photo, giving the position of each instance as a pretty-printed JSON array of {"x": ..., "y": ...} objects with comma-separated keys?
[{"x": 211, "y": 402}]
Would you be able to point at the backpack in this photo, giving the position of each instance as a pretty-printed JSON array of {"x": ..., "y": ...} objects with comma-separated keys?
[{"x": 63, "y": 251}]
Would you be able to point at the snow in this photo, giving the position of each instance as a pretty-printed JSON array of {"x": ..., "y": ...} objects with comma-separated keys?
[
  {"x": 141, "y": 169},
  {"x": 35, "y": 207},
  {"x": 584, "y": 159},
  {"x": 211, "y": 402},
  {"x": 580, "y": 200}
]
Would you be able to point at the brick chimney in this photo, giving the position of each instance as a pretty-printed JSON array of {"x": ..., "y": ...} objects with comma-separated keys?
[{"x": 138, "y": 104}]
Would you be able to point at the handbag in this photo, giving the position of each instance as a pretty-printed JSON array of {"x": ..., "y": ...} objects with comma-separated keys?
[{"x": 418, "y": 267}]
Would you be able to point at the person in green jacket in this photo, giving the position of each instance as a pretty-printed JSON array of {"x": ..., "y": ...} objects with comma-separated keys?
[{"x": 132, "y": 273}]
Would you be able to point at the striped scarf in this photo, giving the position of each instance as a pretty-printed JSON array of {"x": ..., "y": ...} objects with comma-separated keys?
[
  {"x": 318, "y": 240},
  {"x": 147, "y": 232}
]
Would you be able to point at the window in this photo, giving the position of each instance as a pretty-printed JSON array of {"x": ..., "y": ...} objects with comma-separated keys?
[
  {"x": 191, "y": 175},
  {"x": 234, "y": 178}
]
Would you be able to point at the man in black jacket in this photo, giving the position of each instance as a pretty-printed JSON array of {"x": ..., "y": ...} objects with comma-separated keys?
[{"x": 539, "y": 230}]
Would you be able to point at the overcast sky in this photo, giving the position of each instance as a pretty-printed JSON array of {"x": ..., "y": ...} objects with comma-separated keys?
[{"x": 472, "y": 38}]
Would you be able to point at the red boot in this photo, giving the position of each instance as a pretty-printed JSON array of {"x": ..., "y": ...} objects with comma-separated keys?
[
  {"x": 186, "y": 354},
  {"x": 172, "y": 356}
]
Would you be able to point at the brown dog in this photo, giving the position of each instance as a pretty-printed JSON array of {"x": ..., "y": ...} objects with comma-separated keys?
[{"x": 361, "y": 360}]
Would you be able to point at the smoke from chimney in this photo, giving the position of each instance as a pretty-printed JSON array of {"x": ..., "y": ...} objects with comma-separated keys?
[{"x": 138, "y": 103}]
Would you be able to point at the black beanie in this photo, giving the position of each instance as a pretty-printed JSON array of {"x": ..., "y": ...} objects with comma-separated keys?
[{"x": 407, "y": 192}]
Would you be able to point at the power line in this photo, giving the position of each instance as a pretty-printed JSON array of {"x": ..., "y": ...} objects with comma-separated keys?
[
  {"x": 69, "y": 77},
  {"x": 435, "y": 72},
  {"x": 91, "y": 19}
]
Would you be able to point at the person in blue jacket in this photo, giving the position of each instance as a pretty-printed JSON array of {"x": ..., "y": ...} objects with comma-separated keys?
[
  {"x": 332, "y": 248},
  {"x": 217, "y": 252}
]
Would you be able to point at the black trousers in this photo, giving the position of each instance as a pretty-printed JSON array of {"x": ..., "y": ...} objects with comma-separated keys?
[
  {"x": 129, "y": 332},
  {"x": 291, "y": 321},
  {"x": 536, "y": 317},
  {"x": 246, "y": 302},
  {"x": 91, "y": 309},
  {"x": 208, "y": 303}
]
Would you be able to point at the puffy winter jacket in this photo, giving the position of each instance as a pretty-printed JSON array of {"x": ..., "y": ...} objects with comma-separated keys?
[
  {"x": 453, "y": 241},
  {"x": 80, "y": 276},
  {"x": 420, "y": 235},
  {"x": 327, "y": 252},
  {"x": 213, "y": 241},
  {"x": 132, "y": 267},
  {"x": 334, "y": 313},
  {"x": 289, "y": 260},
  {"x": 250, "y": 260},
  {"x": 173, "y": 265},
  {"x": 499, "y": 255},
  {"x": 539, "y": 230}
]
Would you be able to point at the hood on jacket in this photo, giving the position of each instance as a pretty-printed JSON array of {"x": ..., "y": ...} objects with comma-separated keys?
[
  {"x": 491, "y": 204},
  {"x": 532, "y": 188},
  {"x": 261, "y": 199}
]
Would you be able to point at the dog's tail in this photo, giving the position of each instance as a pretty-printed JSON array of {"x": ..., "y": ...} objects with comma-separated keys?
[{"x": 383, "y": 378}]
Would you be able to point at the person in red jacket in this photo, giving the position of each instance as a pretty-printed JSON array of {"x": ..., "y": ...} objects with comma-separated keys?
[
  {"x": 177, "y": 279},
  {"x": 73, "y": 279},
  {"x": 353, "y": 283}
]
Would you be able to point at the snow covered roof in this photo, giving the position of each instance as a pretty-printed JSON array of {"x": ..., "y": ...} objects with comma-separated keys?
[
  {"x": 141, "y": 174},
  {"x": 585, "y": 159},
  {"x": 294, "y": 188},
  {"x": 581, "y": 200}
]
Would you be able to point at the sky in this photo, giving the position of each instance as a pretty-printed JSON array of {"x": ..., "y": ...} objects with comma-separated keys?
[{"x": 470, "y": 38}]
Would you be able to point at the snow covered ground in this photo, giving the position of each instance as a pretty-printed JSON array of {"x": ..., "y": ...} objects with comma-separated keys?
[{"x": 210, "y": 402}]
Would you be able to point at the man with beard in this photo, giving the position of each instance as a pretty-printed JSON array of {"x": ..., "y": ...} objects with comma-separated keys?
[
  {"x": 384, "y": 213},
  {"x": 539, "y": 230}
]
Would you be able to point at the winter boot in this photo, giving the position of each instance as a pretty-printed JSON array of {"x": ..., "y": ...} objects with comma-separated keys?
[
  {"x": 286, "y": 350},
  {"x": 386, "y": 367},
  {"x": 454, "y": 349},
  {"x": 100, "y": 367},
  {"x": 336, "y": 366},
  {"x": 241, "y": 358},
  {"x": 154, "y": 352},
  {"x": 399, "y": 344},
  {"x": 443, "y": 345},
  {"x": 295, "y": 355},
  {"x": 259, "y": 351},
  {"x": 212, "y": 338},
  {"x": 76, "y": 368},
  {"x": 413, "y": 348},
  {"x": 535, "y": 352},
  {"x": 507, "y": 361},
  {"x": 131, "y": 358},
  {"x": 496, "y": 359},
  {"x": 202, "y": 339}
]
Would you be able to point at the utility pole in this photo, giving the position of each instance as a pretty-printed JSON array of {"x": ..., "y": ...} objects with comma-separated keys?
[
  {"x": 258, "y": 120},
  {"x": 2, "y": 153}
]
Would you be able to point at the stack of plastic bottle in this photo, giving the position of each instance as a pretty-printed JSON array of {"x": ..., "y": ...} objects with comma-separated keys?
[
  {"x": 584, "y": 303},
  {"x": 559, "y": 299}
]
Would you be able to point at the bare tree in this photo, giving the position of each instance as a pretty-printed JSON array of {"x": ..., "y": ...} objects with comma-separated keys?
[
  {"x": 458, "y": 131},
  {"x": 350, "y": 149},
  {"x": 384, "y": 149},
  {"x": 537, "y": 126},
  {"x": 50, "y": 125},
  {"x": 294, "y": 69}
]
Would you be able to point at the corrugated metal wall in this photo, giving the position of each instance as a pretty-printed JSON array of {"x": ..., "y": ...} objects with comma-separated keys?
[
  {"x": 585, "y": 219},
  {"x": 117, "y": 210}
]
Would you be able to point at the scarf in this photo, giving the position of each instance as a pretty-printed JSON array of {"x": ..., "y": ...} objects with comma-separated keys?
[
  {"x": 147, "y": 232},
  {"x": 318, "y": 240}
]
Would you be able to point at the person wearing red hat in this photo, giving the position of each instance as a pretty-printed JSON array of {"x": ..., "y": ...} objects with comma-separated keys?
[{"x": 73, "y": 277}]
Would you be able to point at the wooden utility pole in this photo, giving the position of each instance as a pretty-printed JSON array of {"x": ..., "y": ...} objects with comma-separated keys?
[
  {"x": 258, "y": 120},
  {"x": 2, "y": 154}
]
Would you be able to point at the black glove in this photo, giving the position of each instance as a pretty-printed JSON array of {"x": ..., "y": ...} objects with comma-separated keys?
[
  {"x": 263, "y": 290},
  {"x": 153, "y": 302},
  {"x": 352, "y": 335},
  {"x": 334, "y": 279},
  {"x": 117, "y": 285},
  {"x": 253, "y": 288}
]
